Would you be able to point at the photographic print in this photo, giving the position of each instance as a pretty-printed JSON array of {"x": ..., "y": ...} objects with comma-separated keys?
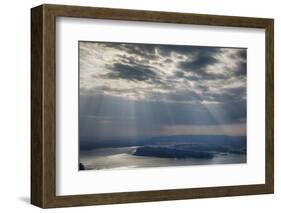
[
  {"x": 141, "y": 94},
  {"x": 160, "y": 105}
]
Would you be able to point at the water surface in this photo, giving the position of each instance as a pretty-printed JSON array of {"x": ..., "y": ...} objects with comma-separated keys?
[{"x": 123, "y": 158}]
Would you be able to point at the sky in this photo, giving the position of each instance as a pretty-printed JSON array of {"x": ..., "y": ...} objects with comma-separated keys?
[{"x": 136, "y": 90}]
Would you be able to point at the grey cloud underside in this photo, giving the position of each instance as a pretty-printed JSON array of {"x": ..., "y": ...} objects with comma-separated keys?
[
  {"x": 203, "y": 57},
  {"x": 135, "y": 72},
  {"x": 164, "y": 69},
  {"x": 146, "y": 62},
  {"x": 142, "y": 50}
]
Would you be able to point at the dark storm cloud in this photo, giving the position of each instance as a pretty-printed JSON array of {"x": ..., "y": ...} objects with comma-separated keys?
[
  {"x": 167, "y": 50},
  {"x": 148, "y": 51},
  {"x": 202, "y": 59},
  {"x": 199, "y": 64},
  {"x": 131, "y": 72},
  {"x": 179, "y": 74},
  {"x": 170, "y": 72},
  {"x": 143, "y": 50},
  {"x": 242, "y": 69}
]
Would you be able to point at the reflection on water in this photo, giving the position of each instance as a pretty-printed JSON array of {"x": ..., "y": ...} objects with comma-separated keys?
[{"x": 122, "y": 158}]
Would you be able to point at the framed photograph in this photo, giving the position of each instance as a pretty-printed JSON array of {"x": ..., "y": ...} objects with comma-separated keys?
[{"x": 136, "y": 106}]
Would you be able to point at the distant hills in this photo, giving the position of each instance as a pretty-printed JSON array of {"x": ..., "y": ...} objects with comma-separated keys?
[{"x": 238, "y": 142}]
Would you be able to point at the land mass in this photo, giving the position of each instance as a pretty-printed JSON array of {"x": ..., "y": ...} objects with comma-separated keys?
[
  {"x": 167, "y": 152},
  {"x": 178, "y": 146},
  {"x": 206, "y": 140}
]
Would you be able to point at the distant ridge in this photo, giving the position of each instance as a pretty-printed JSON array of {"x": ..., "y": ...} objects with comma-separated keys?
[{"x": 173, "y": 139}]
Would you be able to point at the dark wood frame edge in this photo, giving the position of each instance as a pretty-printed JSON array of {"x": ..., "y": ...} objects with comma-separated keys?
[{"x": 43, "y": 105}]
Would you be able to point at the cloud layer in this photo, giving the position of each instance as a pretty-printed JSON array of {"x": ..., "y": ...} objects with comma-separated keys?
[
  {"x": 154, "y": 72},
  {"x": 152, "y": 86}
]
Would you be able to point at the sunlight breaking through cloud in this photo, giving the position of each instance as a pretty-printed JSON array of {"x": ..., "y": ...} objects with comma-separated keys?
[{"x": 143, "y": 90}]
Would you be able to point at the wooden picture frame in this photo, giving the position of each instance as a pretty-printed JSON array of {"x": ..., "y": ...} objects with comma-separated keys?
[{"x": 43, "y": 105}]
